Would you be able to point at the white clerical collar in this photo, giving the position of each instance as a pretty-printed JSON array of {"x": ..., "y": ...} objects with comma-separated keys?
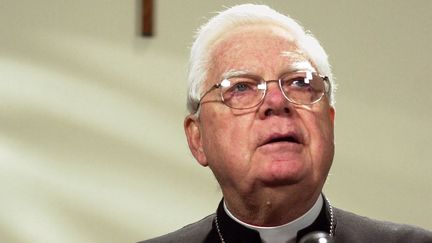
[{"x": 286, "y": 233}]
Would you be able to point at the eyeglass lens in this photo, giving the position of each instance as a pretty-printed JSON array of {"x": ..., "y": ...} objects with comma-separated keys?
[{"x": 246, "y": 91}]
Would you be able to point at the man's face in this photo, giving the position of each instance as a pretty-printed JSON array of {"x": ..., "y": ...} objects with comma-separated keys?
[{"x": 274, "y": 144}]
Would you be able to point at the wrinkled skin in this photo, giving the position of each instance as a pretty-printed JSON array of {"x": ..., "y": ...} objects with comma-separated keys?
[{"x": 261, "y": 180}]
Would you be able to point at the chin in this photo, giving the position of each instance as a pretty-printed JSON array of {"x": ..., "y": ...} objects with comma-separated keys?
[{"x": 282, "y": 173}]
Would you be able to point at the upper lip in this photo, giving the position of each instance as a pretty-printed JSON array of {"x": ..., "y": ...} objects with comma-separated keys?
[{"x": 292, "y": 137}]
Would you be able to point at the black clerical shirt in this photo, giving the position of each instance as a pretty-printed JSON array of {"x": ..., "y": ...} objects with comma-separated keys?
[{"x": 234, "y": 232}]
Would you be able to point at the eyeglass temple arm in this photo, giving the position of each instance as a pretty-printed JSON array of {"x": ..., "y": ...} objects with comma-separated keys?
[
  {"x": 216, "y": 86},
  {"x": 327, "y": 80}
]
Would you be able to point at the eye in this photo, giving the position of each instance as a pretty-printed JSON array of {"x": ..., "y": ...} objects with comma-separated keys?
[
  {"x": 300, "y": 83},
  {"x": 241, "y": 87}
]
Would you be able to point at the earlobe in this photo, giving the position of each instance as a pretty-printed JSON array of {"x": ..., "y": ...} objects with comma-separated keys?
[
  {"x": 332, "y": 114},
  {"x": 193, "y": 135}
]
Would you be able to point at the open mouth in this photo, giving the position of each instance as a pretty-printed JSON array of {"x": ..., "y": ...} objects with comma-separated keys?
[{"x": 290, "y": 138}]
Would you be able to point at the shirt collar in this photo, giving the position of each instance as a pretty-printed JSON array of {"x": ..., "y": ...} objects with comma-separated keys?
[{"x": 287, "y": 232}]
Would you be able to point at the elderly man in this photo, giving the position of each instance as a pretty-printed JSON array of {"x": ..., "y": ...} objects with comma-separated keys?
[{"x": 261, "y": 103}]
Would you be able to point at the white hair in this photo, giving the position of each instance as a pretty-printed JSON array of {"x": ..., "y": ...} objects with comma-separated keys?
[{"x": 244, "y": 15}]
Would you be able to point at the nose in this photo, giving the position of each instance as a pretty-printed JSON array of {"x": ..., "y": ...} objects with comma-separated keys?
[{"x": 274, "y": 103}]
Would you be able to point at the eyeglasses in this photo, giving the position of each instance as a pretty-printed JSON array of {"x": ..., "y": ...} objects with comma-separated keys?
[{"x": 248, "y": 91}]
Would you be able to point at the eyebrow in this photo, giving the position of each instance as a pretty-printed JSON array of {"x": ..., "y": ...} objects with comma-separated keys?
[
  {"x": 233, "y": 73},
  {"x": 295, "y": 67},
  {"x": 299, "y": 66},
  {"x": 303, "y": 65},
  {"x": 300, "y": 61}
]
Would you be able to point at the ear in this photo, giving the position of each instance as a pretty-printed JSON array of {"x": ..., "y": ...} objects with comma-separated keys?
[
  {"x": 193, "y": 135},
  {"x": 332, "y": 113}
]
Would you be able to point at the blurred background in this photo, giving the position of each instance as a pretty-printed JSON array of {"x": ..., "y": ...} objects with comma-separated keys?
[{"x": 92, "y": 147}]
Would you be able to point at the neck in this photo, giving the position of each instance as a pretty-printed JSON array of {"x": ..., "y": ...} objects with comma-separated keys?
[{"x": 271, "y": 208}]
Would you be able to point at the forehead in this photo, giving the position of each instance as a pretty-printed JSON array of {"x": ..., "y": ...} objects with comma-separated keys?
[{"x": 258, "y": 49}]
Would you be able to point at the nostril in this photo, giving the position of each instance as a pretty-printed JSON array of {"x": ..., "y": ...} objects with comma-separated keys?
[{"x": 268, "y": 112}]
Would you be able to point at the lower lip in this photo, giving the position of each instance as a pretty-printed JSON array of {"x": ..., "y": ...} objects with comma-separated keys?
[{"x": 282, "y": 147}]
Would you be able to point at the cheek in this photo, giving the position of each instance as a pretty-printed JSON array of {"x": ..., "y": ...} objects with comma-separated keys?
[
  {"x": 327, "y": 127},
  {"x": 319, "y": 127},
  {"x": 226, "y": 140},
  {"x": 325, "y": 139}
]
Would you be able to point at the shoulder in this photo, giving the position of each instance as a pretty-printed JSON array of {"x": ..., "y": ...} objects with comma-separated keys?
[
  {"x": 354, "y": 228},
  {"x": 195, "y": 232}
]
